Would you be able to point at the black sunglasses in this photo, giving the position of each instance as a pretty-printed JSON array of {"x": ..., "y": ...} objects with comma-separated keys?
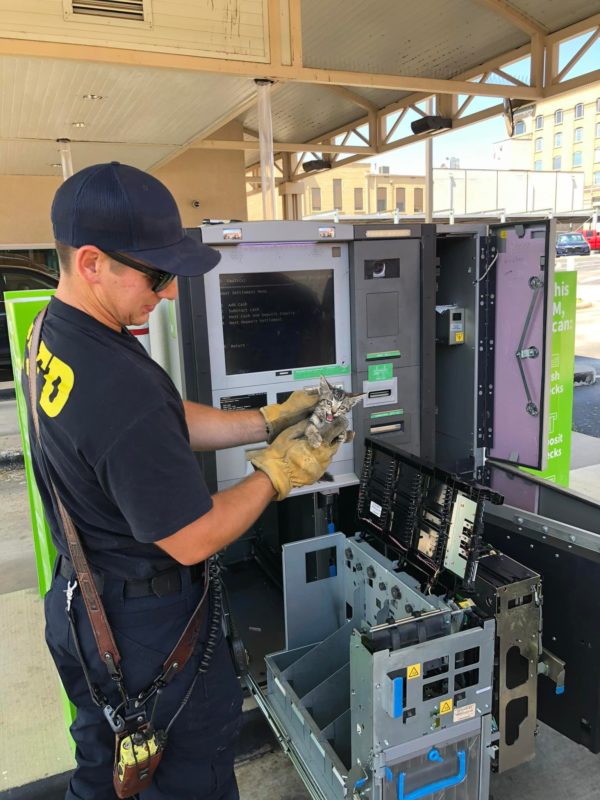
[{"x": 160, "y": 279}]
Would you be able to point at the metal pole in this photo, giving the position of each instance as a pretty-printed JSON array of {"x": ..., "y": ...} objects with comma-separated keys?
[
  {"x": 65, "y": 158},
  {"x": 429, "y": 170}
]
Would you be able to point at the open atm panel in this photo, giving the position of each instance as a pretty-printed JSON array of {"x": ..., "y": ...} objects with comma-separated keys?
[{"x": 429, "y": 517}]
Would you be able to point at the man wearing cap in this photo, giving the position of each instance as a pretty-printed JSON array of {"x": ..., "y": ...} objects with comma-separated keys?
[{"x": 117, "y": 442}]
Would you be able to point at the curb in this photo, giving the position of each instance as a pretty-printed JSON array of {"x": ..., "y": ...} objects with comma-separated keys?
[{"x": 10, "y": 459}]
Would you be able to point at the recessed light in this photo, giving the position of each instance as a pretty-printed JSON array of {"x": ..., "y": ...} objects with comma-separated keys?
[
  {"x": 78, "y": 124},
  {"x": 92, "y": 97},
  {"x": 55, "y": 165}
]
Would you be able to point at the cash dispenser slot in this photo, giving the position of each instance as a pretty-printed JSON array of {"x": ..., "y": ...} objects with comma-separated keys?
[{"x": 386, "y": 427}]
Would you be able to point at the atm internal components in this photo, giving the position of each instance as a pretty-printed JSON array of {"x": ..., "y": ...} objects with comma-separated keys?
[{"x": 429, "y": 517}]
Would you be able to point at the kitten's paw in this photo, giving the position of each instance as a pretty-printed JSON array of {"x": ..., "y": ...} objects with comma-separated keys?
[{"x": 314, "y": 439}]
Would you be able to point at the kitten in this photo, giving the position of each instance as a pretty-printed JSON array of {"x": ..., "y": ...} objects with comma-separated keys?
[{"x": 329, "y": 420}]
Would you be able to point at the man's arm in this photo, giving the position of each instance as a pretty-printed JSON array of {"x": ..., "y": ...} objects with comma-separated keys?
[
  {"x": 213, "y": 429},
  {"x": 234, "y": 511}
]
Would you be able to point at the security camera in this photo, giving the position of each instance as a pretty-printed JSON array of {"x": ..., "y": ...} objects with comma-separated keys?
[{"x": 196, "y": 203}]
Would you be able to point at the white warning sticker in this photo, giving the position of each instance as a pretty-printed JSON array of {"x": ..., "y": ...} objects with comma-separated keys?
[
  {"x": 375, "y": 508},
  {"x": 464, "y": 712}
]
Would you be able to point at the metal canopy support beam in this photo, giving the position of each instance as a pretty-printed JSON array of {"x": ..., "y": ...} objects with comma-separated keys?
[
  {"x": 353, "y": 97},
  {"x": 574, "y": 83},
  {"x": 292, "y": 74},
  {"x": 282, "y": 147},
  {"x": 516, "y": 18},
  {"x": 538, "y": 45},
  {"x": 577, "y": 56}
]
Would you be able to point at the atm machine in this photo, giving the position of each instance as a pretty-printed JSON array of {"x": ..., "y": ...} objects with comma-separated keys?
[{"x": 402, "y": 646}]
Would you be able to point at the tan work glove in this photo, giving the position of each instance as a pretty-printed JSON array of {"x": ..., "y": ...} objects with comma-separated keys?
[
  {"x": 291, "y": 461},
  {"x": 298, "y": 406}
]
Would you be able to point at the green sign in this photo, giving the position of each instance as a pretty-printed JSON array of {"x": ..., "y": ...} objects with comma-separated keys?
[
  {"x": 395, "y": 413},
  {"x": 21, "y": 310},
  {"x": 381, "y": 372},
  {"x": 316, "y": 372},
  {"x": 560, "y": 411}
]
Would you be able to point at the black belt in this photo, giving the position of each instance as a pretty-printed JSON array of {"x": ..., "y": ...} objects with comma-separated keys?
[{"x": 161, "y": 585}]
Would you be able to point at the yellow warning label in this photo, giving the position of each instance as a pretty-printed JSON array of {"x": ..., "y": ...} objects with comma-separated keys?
[
  {"x": 503, "y": 234},
  {"x": 460, "y": 337},
  {"x": 414, "y": 671},
  {"x": 446, "y": 706}
]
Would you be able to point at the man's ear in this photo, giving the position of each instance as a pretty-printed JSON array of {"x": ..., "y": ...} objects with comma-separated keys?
[{"x": 88, "y": 263}]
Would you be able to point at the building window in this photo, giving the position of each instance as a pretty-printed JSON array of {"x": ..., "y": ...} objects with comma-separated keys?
[
  {"x": 598, "y": 130},
  {"x": 596, "y": 178},
  {"x": 358, "y": 200},
  {"x": 537, "y": 165},
  {"x": 579, "y": 134},
  {"x": 381, "y": 198},
  {"x": 418, "y": 201},
  {"x": 519, "y": 127},
  {"x": 556, "y": 162},
  {"x": 596, "y": 155},
  {"x": 539, "y": 122},
  {"x": 401, "y": 198},
  {"x": 539, "y": 143},
  {"x": 578, "y": 110},
  {"x": 558, "y": 139},
  {"x": 577, "y": 160},
  {"x": 337, "y": 193},
  {"x": 315, "y": 198},
  {"x": 598, "y": 106},
  {"x": 558, "y": 116}
]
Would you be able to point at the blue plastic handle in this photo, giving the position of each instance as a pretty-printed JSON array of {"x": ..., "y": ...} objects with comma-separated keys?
[{"x": 438, "y": 786}]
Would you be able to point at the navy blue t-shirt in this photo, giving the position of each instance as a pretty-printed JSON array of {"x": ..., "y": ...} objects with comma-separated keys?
[{"x": 115, "y": 443}]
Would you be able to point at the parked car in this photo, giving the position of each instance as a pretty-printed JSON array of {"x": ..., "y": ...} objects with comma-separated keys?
[
  {"x": 593, "y": 239},
  {"x": 571, "y": 244},
  {"x": 18, "y": 272}
]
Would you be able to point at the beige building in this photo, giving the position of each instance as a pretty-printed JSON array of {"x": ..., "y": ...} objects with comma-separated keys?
[
  {"x": 564, "y": 134},
  {"x": 354, "y": 188}
]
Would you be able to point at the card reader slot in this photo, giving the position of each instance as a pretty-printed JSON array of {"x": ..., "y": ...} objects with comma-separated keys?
[
  {"x": 389, "y": 427},
  {"x": 379, "y": 393}
]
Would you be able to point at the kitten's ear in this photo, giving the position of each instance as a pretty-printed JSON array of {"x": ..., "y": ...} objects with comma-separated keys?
[
  {"x": 353, "y": 399},
  {"x": 324, "y": 385}
]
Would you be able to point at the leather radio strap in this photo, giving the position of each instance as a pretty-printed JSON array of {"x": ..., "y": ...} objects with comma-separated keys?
[{"x": 107, "y": 647}]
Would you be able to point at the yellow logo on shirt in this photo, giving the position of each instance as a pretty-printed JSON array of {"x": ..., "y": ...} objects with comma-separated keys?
[{"x": 58, "y": 380}]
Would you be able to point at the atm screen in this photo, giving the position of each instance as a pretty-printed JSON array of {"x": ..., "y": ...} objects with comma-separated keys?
[{"x": 277, "y": 320}]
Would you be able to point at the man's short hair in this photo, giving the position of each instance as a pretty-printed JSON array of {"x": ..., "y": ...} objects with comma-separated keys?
[{"x": 65, "y": 256}]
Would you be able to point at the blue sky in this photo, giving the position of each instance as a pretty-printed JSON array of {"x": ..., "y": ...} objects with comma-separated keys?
[{"x": 473, "y": 145}]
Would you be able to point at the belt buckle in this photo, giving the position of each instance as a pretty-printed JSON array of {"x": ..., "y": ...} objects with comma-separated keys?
[{"x": 167, "y": 583}]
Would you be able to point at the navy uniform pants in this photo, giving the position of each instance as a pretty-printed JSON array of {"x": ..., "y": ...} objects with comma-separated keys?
[{"x": 198, "y": 760}]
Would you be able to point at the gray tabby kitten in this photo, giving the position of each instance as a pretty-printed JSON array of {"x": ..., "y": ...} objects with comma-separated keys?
[{"x": 329, "y": 420}]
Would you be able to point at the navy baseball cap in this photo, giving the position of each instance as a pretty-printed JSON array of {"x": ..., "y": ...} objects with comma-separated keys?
[{"x": 119, "y": 208}]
